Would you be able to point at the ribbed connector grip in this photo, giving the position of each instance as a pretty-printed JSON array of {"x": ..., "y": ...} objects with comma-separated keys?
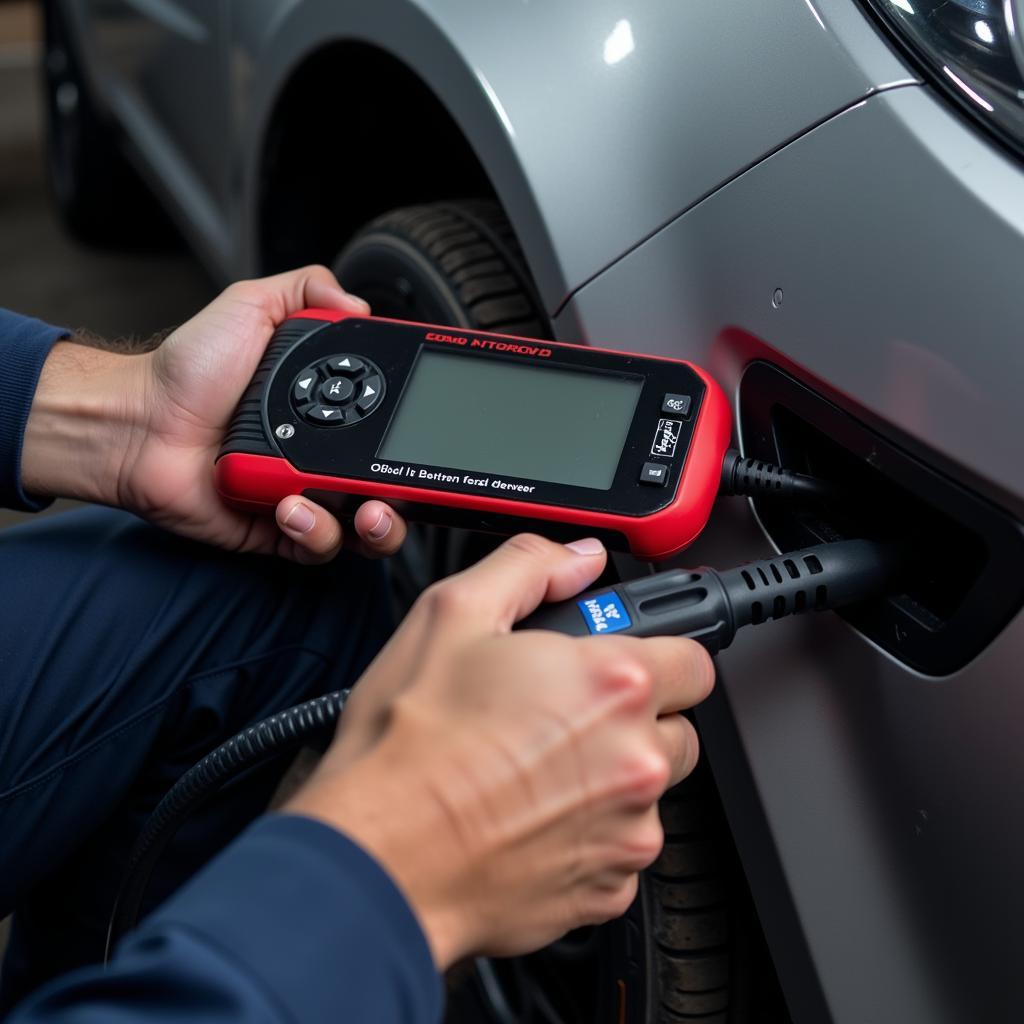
[
  {"x": 753, "y": 478},
  {"x": 245, "y": 433},
  {"x": 710, "y": 606},
  {"x": 815, "y": 579}
]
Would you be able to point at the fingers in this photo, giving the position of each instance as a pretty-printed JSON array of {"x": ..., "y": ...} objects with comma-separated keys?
[
  {"x": 682, "y": 748},
  {"x": 279, "y": 296},
  {"x": 380, "y": 529},
  {"x": 317, "y": 535},
  {"x": 680, "y": 671},
  {"x": 511, "y": 581},
  {"x": 683, "y": 671}
]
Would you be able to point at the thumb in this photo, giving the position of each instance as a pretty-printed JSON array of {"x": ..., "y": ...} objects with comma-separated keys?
[
  {"x": 515, "y": 578},
  {"x": 275, "y": 298}
]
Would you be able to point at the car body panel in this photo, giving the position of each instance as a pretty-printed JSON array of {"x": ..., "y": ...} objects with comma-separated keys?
[
  {"x": 624, "y": 87},
  {"x": 897, "y": 236},
  {"x": 891, "y": 800}
]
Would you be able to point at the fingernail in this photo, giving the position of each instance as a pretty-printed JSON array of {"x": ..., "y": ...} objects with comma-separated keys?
[
  {"x": 381, "y": 528},
  {"x": 587, "y": 546},
  {"x": 301, "y": 519}
]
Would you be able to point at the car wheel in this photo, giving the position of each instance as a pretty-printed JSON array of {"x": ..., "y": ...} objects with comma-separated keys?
[
  {"x": 101, "y": 199},
  {"x": 682, "y": 952}
]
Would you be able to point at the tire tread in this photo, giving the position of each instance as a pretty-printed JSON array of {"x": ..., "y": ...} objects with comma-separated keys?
[{"x": 471, "y": 244}]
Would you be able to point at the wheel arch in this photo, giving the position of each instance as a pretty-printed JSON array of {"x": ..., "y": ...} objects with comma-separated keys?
[{"x": 374, "y": 109}]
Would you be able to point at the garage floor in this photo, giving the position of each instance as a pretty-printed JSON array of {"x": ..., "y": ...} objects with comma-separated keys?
[{"x": 42, "y": 271}]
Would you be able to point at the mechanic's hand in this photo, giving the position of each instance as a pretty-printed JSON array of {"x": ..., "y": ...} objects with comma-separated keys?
[
  {"x": 509, "y": 781},
  {"x": 195, "y": 380},
  {"x": 142, "y": 431}
]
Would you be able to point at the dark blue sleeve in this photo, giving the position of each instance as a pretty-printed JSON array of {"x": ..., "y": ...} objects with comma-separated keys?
[
  {"x": 24, "y": 345},
  {"x": 291, "y": 923}
]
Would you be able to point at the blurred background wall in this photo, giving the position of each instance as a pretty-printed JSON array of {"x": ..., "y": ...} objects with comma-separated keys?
[{"x": 42, "y": 271}]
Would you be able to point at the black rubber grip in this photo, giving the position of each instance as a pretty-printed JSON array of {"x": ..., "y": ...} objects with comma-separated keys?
[
  {"x": 709, "y": 606},
  {"x": 753, "y": 478},
  {"x": 245, "y": 433}
]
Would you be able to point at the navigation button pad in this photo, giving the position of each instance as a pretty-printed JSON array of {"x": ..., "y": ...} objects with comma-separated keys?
[{"x": 339, "y": 390}]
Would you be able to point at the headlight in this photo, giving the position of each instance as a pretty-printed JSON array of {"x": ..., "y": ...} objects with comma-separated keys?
[{"x": 973, "y": 50}]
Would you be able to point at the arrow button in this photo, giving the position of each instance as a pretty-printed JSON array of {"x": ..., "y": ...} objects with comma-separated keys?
[
  {"x": 347, "y": 364},
  {"x": 373, "y": 388},
  {"x": 325, "y": 414},
  {"x": 304, "y": 385}
]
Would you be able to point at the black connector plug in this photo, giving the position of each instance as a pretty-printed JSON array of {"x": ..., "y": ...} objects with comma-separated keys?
[
  {"x": 710, "y": 606},
  {"x": 753, "y": 478}
]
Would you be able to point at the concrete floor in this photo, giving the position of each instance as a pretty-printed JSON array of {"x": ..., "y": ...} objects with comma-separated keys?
[{"x": 43, "y": 272}]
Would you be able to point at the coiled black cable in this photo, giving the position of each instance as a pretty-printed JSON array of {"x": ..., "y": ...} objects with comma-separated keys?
[{"x": 258, "y": 743}]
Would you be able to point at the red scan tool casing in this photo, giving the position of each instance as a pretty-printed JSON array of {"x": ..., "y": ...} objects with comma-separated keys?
[{"x": 275, "y": 445}]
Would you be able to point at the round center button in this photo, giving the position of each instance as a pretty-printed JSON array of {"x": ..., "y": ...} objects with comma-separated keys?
[{"x": 337, "y": 390}]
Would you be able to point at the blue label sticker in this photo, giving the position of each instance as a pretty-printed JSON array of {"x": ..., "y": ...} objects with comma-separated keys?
[{"x": 605, "y": 613}]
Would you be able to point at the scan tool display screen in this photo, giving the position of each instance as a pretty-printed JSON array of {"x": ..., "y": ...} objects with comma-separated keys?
[{"x": 498, "y": 416}]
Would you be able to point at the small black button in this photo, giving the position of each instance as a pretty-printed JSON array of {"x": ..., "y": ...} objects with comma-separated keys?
[
  {"x": 370, "y": 396},
  {"x": 346, "y": 364},
  {"x": 304, "y": 384},
  {"x": 677, "y": 405},
  {"x": 337, "y": 390},
  {"x": 325, "y": 414},
  {"x": 655, "y": 473}
]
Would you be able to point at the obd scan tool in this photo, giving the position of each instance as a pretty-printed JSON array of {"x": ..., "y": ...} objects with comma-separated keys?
[{"x": 482, "y": 431}]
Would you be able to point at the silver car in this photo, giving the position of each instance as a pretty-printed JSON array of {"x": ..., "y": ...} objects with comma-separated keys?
[{"x": 821, "y": 201}]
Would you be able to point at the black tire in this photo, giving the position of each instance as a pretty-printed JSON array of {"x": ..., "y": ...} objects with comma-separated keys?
[
  {"x": 698, "y": 914},
  {"x": 100, "y": 197},
  {"x": 456, "y": 264},
  {"x": 685, "y": 950}
]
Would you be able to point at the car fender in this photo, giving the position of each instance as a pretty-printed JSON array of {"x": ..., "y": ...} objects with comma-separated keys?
[{"x": 597, "y": 122}]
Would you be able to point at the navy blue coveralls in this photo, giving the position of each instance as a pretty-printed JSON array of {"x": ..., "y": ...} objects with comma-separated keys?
[{"x": 125, "y": 655}]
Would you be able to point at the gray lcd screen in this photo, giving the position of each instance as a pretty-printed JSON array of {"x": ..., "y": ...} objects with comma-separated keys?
[{"x": 497, "y": 416}]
